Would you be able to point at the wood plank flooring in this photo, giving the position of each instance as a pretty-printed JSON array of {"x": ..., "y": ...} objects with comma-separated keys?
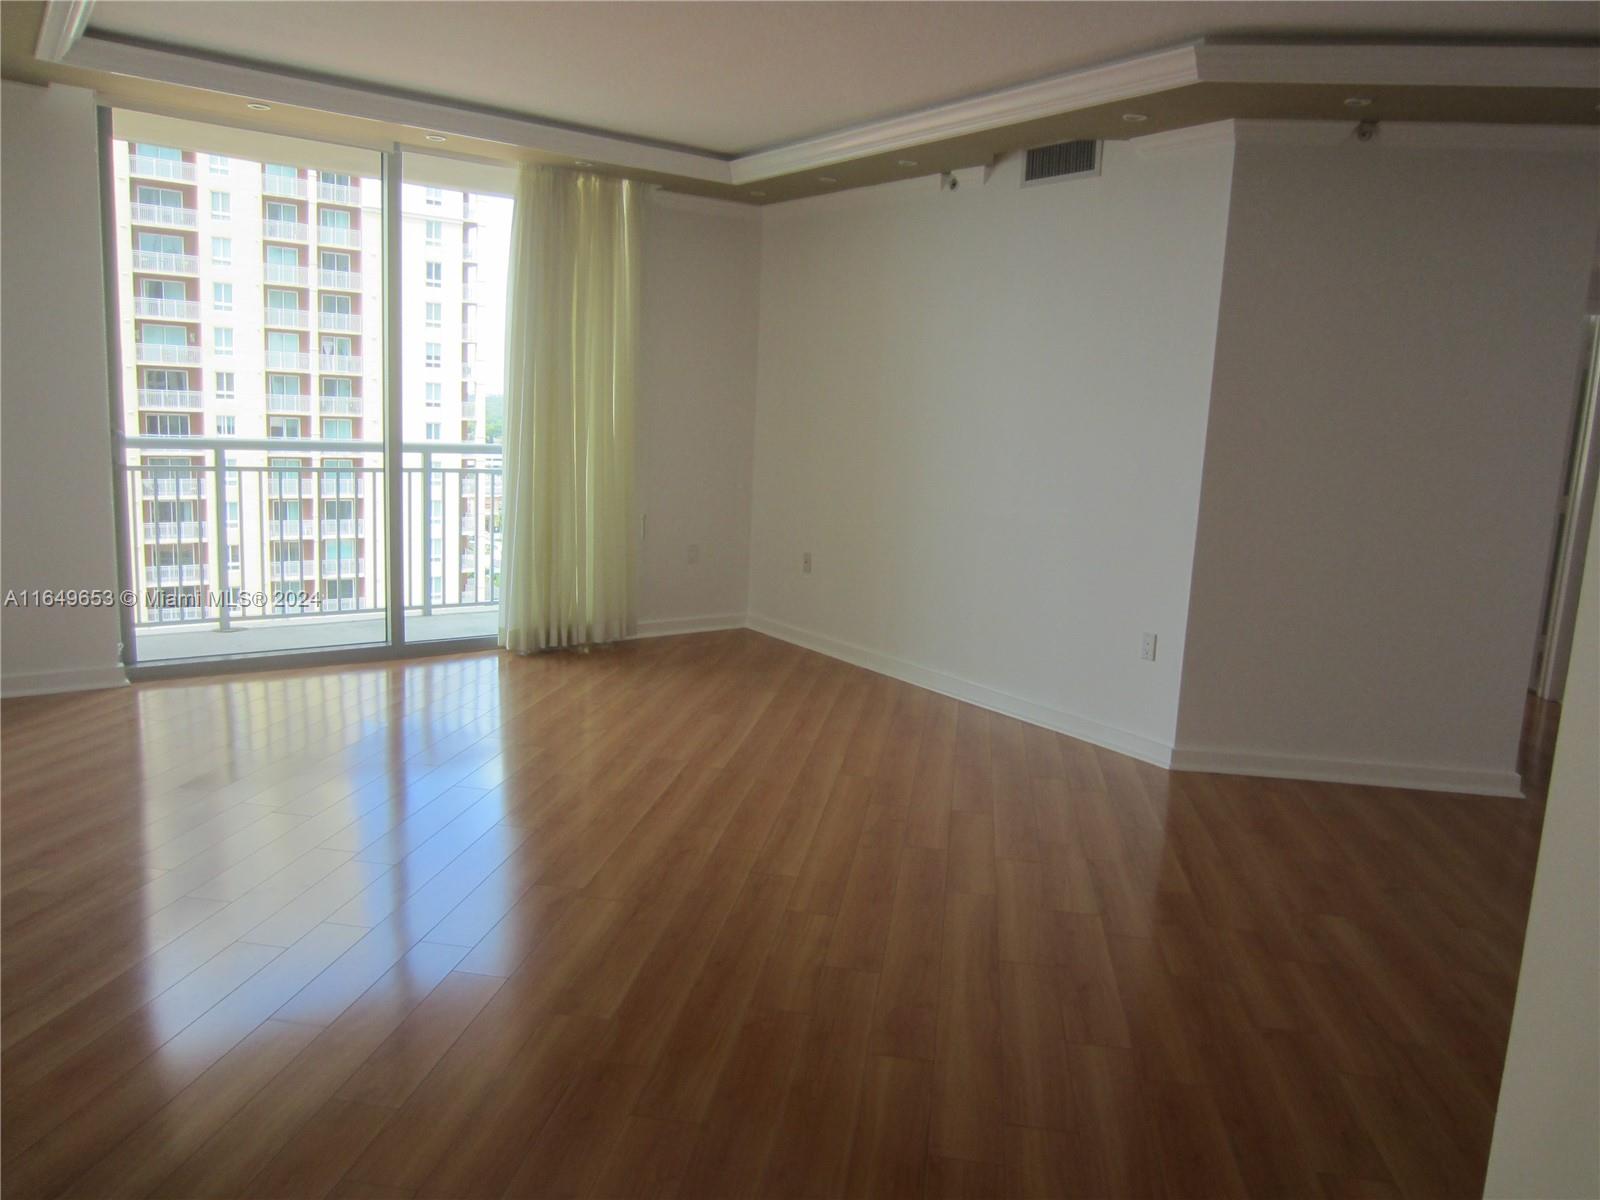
[{"x": 713, "y": 916}]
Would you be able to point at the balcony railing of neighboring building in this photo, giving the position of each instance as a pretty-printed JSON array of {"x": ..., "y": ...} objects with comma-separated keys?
[
  {"x": 285, "y": 231},
  {"x": 285, "y": 273},
  {"x": 340, "y": 281},
  {"x": 288, "y": 318},
  {"x": 156, "y": 262},
  {"x": 338, "y": 235},
  {"x": 284, "y": 185},
  {"x": 160, "y": 168},
  {"x": 288, "y": 402},
  {"x": 470, "y": 293},
  {"x": 162, "y": 214},
  {"x": 169, "y": 310},
  {"x": 160, "y": 352},
  {"x": 170, "y": 398},
  {"x": 288, "y": 360},
  {"x": 340, "y": 364},
  {"x": 340, "y": 406},
  {"x": 338, "y": 193},
  {"x": 339, "y": 322},
  {"x": 258, "y": 545}
]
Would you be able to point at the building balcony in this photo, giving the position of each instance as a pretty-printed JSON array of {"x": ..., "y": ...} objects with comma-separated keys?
[
  {"x": 160, "y": 168},
  {"x": 338, "y": 193},
  {"x": 157, "y": 352},
  {"x": 469, "y": 251},
  {"x": 471, "y": 293},
  {"x": 343, "y": 568},
  {"x": 167, "y": 310},
  {"x": 336, "y": 235},
  {"x": 284, "y": 273},
  {"x": 339, "y": 322},
  {"x": 170, "y": 398},
  {"x": 288, "y": 318},
  {"x": 281, "y": 402},
  {"x": 291, "y": 569},
  {"x": 347, "y": 528},
  {"x": 291, "y": 530},
  {"x": 284, "y": 185},
  {"x": 172, "y": 488},
  {"x": 339, "y": 281},
  {"x": 161, "y": 214},
  {"x": 288, "y": 360},
  {"x": 340, "y": 406},
  {"x": 174, "y": 531},
  {"x": 469, "y": 410},
  {"x": 340, "y": 364},
  {"x": 285, "y": 231},
  {"x": 173, "y": 575},
  {"x": 165, "y": 264}
]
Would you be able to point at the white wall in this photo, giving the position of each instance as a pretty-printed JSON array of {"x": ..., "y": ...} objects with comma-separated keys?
[
  {"x": 1398, "y": 348},
  {"x": 1545, "y": 1126},
  {"x": 56, "y": 527},
  {"x": 696, "y": 411},
  {"x": 982, "y": 412}
]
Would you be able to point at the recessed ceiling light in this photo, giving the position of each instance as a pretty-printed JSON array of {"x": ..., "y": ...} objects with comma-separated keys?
[
  {"x": 908, "y": 162},
  {"x": 259, "y": 107},
  {"x": 582, "y": 162},
  {"x": 826, "y": 179},
  {"x": 1134, "y": 118},
  {"x": 434, "y": 137},
  {"x": 1357, "y": 102}
]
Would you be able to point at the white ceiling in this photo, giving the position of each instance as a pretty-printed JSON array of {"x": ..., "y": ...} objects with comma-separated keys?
[{"x": 735, "y": 77}]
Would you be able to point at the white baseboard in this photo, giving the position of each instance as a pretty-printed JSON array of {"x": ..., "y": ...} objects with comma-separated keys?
[
  {"x": 1110, "y": 737},
  {"x": 667, "y": 626},
  {"x": 73, "y": 679},
  {"x": 1419, "y": 776}
]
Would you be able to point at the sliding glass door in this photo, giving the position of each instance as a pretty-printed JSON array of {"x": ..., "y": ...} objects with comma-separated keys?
[{"x": 253, "y": 277}]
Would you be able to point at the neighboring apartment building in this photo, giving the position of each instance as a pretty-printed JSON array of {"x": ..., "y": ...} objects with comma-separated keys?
[{"x": 251, "y": 309}]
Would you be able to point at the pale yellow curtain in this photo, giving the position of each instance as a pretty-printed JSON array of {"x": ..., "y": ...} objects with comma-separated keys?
[{"x": 567, "y": 571}]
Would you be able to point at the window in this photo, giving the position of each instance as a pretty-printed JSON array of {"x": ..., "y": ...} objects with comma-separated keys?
[
  {"x": 283, "y": 385},
  {"x": 433, "y": 197},
  {"x": 337, "y": 388},
  {"x": 435, "y": 315},
  {"x": 433, "y": 355},
  {"x": 158, "y": 197},
  {"x": 222, "y": 251},
  {"x": 226, "y": 426},
  {"x": 277, "y": 210},
  {"x": 431, "y": 430},
  {"x": 161, "y": 289},
  {"x": 433, "y": 233},
  {"x": 338, "y": 305},
  {"x": 332, "y": 260},
  {"x": 283, "y": 427},
  {"x": 337, "y": 347},
  {"x": 433, "y": 394},
  {"x": 220, "y": 164},
  {"x": 166, "y": 425},
  {"x": 222, "y": 340},
  {"x": 224, "y": 385},
  {"x": 333, "y": 218},
  {"x": 222, "y": 297},
  {"x": 166, "y": 381},
  {"x": 164, "y": 335},
  {"x": 340, "y": 428},
  {"x": 221, "y": 206},
  {"x": 434, "y": 274}
]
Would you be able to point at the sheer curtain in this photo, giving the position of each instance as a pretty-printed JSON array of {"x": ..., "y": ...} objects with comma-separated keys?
[{"x": 567, "y": 572}]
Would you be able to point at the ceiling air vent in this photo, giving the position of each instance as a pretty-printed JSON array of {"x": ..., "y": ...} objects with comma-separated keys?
[{"x": 1064, "y": 160}]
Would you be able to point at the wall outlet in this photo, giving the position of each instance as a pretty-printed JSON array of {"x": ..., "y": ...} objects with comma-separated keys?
[
  {"x": 694, "y": 554},
  {"x": 805, "y": 563},
  {"x": 1147, "y": 650}
]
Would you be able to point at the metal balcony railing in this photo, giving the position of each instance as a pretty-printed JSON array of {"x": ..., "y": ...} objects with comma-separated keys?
[
  {"x": 165, "y": 264},
  {"x": 288, "y": 318},
  {"x": 340, "y": 406},
  {"x": 340, "y": 281},
  {"x": 347, "y": 527},
  {"x": 160, "y": 352},
  {"x": 166, "y": 215},
  {"x": 285, "y": 273},
  {"x": 288, "y": 402},
  {"x": 291, "y": 529},
  {"x": 340, "y": 364},
  {"x": 170, "y": 310},
  {"x": 160, "y": 168},
  {"x": 339, "y": 322},
  {"x": 338, "y": 193},
  {"x": 338, "y": 235},
  {"x": 174, "y": 531},
  {"x": 285, "y": 231},
  {"x": 284, "y": 185},
  {"x": 288, "y": 360},
  {"x": 169, "y": 398}
]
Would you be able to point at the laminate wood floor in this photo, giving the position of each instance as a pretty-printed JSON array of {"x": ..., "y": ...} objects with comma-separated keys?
[{"x": 713, "y": 916}]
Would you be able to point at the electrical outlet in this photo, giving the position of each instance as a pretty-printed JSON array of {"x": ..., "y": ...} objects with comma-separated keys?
[
  {"x": 805, "y": 563},
  {"x": 1148, "y": 650},
  {"x": 694, "y": 554}
]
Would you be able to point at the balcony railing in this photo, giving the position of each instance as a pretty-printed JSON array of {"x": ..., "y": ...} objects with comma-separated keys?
[
  {"x": 285, "y": 273},
  {"x": 289, "y": 318},
  {"x": 339, "y": 322},
  {"x": 170, "y": 310},
  {"x": 341, "y": 364},
  {"x": 288, "y": 402},
  {"x": 341, "y": 406},
  {"x": 288, "y": 360},
  {"x": 161, "y": 214},
  {"x": 469, "y": 251},
  {"x": 165, "y": 264},
  {"x": 169, "y": 398},
  {"x": 338, "y": 193},
  {"x": 338, "y": 235},
  {"x": 160, "y": 168},
  {"x": 284, "y": 185},
  {"x": 450, "y": 518},
  {"x": 285, "y": 231},
  {"x": 159, "y": 352},
  {"x": 341, "y": 281},
  {"x": 470, "y": 293}
]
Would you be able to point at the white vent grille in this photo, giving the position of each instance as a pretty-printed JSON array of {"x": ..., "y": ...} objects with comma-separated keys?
[{"x": 1064, "y": 160}]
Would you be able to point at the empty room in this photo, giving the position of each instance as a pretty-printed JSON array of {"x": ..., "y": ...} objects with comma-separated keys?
[{"x": 799, "y": 601}]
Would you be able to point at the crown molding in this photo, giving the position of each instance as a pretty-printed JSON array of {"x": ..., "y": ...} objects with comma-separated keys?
[
  {"x": 1122, "y": 80},
  {"x": 1399, "y": 65},
  {"x": 62, "y": 25}
]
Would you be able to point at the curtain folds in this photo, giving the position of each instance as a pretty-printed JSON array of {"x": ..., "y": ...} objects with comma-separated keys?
[{"x": 567, "y": 569}]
